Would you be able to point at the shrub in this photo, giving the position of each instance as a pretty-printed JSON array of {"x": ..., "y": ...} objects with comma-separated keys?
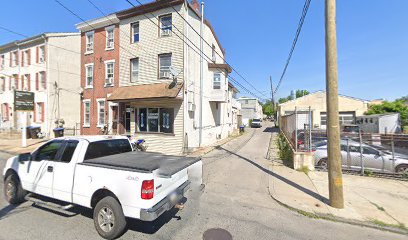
[{"x": 285, "y": 151}]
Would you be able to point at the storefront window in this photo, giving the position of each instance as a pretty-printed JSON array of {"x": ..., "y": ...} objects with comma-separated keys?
[{"x": 155, "y": 120}]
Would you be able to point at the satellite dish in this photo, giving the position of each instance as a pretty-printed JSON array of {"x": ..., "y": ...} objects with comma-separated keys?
[{"x": 173, "y": 71}]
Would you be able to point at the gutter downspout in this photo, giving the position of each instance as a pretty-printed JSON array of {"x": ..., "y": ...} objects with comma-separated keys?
[
  {"x": 201, "y": 75},
  {"x": 46, "y": 106}
]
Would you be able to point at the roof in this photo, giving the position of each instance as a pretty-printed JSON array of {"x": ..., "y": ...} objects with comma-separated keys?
[
  {"x": 321, "y": 91},
  {"x": 233, "y": 87},
  {"x": 36, "y": 38},
  {"x": 220, "y": 66},
  {"x": 147, "y": 91},
  {"x": 97, "y": 23}
]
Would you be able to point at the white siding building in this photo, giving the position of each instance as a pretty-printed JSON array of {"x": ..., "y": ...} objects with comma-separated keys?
[
  {"x": 48, "y": 65},
  {"x": 250, "y": 109},
  {"x": 159, "y": 78}
]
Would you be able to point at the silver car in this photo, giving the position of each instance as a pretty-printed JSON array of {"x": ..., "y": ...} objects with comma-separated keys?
[{"x": 373, "y": 159}]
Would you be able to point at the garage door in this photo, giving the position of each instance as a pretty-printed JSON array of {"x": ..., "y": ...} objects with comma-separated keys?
[{"x": 344, "y": 118}]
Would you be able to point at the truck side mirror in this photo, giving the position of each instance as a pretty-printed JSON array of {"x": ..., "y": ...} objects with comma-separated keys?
[{"x": 24, "y": 157}]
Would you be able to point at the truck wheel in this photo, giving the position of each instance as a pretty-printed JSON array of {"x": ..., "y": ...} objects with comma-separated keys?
[
  {"x": 108, "y": 218},
  {"x": 13, "y": 191}
]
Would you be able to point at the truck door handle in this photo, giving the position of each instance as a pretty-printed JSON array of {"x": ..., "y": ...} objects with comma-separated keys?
[{"x": 50, "y": 169}]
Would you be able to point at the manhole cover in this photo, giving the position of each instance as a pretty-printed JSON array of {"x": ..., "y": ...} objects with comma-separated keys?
[{"x": 217, "y": 234}]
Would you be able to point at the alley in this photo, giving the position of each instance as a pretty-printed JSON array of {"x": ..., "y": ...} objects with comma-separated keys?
[{"x": 236, "y": 198}]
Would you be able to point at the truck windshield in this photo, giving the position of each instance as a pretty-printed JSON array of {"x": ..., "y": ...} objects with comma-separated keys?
[{"x": 107, "y": 147}]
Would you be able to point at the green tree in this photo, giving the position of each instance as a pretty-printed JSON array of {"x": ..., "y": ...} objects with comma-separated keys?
[
  {"x": 397, "y": 106},
  {"x": 267, "y": 108},
  {"x": 299, "y": 93}
]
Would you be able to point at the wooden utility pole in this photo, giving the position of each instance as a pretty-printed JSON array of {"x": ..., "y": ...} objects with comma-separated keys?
[
  {"x": 272, "y": 95},
  {"x": 332, "y": 101}
]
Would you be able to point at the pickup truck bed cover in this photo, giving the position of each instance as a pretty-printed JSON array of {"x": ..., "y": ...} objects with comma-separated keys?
[{"x": 162, "y": 165}]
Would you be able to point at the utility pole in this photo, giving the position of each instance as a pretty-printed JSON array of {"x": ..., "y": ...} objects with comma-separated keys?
[
  {"x": 332, "y": 102},
  {"x": 272, "y": 100}
]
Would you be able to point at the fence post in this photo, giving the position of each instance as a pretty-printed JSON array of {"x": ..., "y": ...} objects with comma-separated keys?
[
  {"x": 310, "y": 129},
  {"x": 393, "y": 151},
  {"x": 296, "y": 133},
  {"x": 361, "y": 151}
]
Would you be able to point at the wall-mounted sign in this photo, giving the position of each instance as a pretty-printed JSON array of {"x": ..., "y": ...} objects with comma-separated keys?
[{"x": 23, "y": 101}]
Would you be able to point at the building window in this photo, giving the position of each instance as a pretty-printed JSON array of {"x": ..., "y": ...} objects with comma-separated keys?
[
  {"x": 5, "y": 112},
  {"x": 156, "y": 120},
  {"x": 87, "y": 113},
  {"x": 14, "y": 59},
  {"x": 41, "y": 54},
  {"x": 134, "y": 66},
  {"x": 26, "y": 83},
  {"x": 165, "y": 25},
  {"x": 135, "y": 32},
  {"x": 214, "y": 56},
  {"x": 2, "y": 62},
  {"x": 89, "y": 75},
  {"x": 217, "y": 81},
  {"x": 2, "y": 84},
  {"x": 110, "y": 37},
  {"x": 14, "y": 83},
  {"x": 89, "y": 42},
  {"x": 39, "y": 112},
  {"x": 101, "y": 112},
  {"x": 164, "y": 66},
  {"x": 109, "y": 73},
  {"x": 26, "y": 57},
  {"x": 43, "y": 81}
]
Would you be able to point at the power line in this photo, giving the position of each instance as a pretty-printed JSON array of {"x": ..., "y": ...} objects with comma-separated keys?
[
  {"x": 299, "y": 29},
  {"x": 233, "y": 69},
  {"x": 198, "y": 52}
]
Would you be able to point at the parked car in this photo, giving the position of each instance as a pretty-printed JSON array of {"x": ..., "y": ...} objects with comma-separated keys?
[
  {"x": 373, "y": 159},
  {"x": 256, "y": 123},
  {"x": 101, "y": 173}
]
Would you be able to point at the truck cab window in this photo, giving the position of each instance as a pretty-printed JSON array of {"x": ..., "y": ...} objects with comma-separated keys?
[
  {"x": 69, "y": 151},
  {"x": 107, "y": 147},
  {"x": 48, "y": 151}
]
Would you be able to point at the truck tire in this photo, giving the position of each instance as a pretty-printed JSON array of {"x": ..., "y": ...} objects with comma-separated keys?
[
  {"x": 109, "y": 220},
  {"x": 13, "y": 190},
  {"x": 323, "y": 164}
]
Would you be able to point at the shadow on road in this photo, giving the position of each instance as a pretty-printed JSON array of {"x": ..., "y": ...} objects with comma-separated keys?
[
  {"x": 283, "y": 179},
  {"x": 271, "y": 129}
]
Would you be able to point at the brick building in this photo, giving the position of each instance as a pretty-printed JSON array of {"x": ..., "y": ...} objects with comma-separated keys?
[{"x": 99, "y": 74}]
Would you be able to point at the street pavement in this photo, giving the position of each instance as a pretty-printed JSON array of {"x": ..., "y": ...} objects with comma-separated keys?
[{"x": 235, "y": 198}]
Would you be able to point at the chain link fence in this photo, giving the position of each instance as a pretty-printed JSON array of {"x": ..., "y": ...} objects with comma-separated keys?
[{"x": 366, "y": 153}]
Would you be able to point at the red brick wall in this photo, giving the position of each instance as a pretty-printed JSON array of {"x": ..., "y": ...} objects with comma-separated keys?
[{"x": 99, "y": 91}]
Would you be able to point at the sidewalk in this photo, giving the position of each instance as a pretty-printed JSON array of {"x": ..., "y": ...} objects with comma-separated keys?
[
  {"x": 13, "y": 146},
  {"x": 369, "y": 201}
]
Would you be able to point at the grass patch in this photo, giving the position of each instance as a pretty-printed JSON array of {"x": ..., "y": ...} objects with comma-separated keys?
[
  {"x": 383, "y": 224},
  {"x": 285, "y": 151},
  {"x": 368, "y": 172},
  {"x": 304, "y": 169},
  {"x": 308, "y": 214}
]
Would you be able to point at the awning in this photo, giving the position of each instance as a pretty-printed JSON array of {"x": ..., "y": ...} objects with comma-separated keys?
[
  {"x": 147, "y": 91},
  {"x": 222, "y": 66}
]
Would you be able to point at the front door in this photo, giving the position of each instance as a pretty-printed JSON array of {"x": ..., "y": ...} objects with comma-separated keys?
[
  {"x": 113, "y": 118},
  {"x": 37, "y": 175}
]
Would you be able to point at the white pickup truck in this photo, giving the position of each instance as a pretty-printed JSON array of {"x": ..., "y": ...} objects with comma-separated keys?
[{"x": 102, "y": 173}]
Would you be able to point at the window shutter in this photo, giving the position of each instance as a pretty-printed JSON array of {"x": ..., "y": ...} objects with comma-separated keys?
[
  {"x": 35, "y": 112},
  {"x": 22, "y": 82},
  {"x": 11, "y": 59},
  {"x": 16, "y": 82},
  {"x": 45, "y": 80},
  {"x": 17, "y": 59},
  {"x": 37, "y": 54},
  {"x": 22, "y": 59},
  {"x": 29, "y": 57},
  {"x": 29, "y": 82},
  {"x": 42, "y": 112},
  {"x": 36, "y": 82},
  {"x": 45, "y": 54},
  {"x": 4, "y": 84}
]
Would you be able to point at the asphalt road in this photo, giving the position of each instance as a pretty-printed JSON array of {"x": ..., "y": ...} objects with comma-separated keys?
[{"x": 235, "y": 199}]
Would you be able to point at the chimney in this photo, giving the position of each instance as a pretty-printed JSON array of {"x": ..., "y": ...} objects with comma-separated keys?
[{"x": 195, "y": 5}]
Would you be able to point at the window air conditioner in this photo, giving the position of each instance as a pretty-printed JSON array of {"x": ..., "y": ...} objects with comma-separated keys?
[{"x": 166, "y": 32}]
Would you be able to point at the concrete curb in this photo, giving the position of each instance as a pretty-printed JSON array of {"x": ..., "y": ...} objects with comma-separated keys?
[{"x": 334, "y": 218}]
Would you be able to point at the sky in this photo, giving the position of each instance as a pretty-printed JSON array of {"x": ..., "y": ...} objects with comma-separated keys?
[{"x": 372, "y": 40}]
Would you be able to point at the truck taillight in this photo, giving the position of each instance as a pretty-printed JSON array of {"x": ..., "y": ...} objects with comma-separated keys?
[{"x": 147, "y": 189}]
